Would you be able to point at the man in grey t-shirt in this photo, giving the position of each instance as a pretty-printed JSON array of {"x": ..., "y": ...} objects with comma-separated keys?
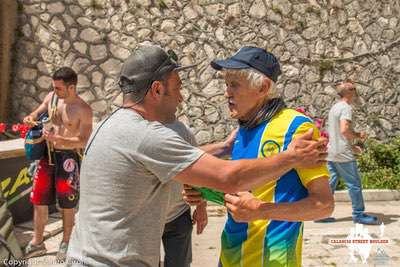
[
  {"x": 131, "y": 158},
  {"x": 341, "y": 159}
]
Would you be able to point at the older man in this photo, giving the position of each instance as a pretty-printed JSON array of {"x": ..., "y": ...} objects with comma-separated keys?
[
  {"x": 275, "y": 210},
  {"x": 132, "y": 156}
]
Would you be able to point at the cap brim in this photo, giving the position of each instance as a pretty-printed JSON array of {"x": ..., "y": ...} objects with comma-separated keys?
[
  {"x": 180, "y": 68},
  {"x": 228, "y": 64}
]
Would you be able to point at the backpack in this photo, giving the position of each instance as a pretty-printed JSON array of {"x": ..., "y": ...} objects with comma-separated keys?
[{"x": 35, "y": 144}]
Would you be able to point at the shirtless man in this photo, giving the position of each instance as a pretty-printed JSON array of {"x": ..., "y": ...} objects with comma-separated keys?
[{"x": 58, "y": 177}]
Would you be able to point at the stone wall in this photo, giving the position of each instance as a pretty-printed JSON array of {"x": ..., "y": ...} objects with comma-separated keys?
[{"x": 319, "y": 43}]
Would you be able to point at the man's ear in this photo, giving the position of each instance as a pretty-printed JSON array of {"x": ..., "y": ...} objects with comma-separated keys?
[
  {"x": 71, "y": 87},
  {"x": 156, "y": 89},
  {"x": 266, "y": 85}
]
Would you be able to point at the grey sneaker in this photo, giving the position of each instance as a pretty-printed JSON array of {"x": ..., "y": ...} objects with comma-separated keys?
[
  {"x": 62, "y": 252},
  {"x": 32, "y": 250}
]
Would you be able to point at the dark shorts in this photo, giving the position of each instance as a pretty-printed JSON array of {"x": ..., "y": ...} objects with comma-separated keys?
[
  {"x": 177, "y": 241},
  {"x": 60, "y": 180}
]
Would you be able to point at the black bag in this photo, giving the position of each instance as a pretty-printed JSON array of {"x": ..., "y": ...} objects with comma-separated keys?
[{"x": 35, "y": 144}]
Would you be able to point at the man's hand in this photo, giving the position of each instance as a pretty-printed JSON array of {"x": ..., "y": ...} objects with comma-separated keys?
[
  {"x": 363, "y": 136},
  {"x": 29, "y": 120},
  {"x": 200, "y": 217},
  {"x": 191, "y": 196},
  {"x": 51, "y": 136},
  {"x": 244, "y": 207},
  {"x": 308, "y": 153},
  {"x": 228, "y": 143},
  {"x": 356, "y": 149}
]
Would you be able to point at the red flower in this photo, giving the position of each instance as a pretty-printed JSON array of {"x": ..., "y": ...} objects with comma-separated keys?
[
  {"x": 324, "y": 134},
  {"x": 15, "y": 127},
  {"x": 319, "y": 123},
  {"x": 22, "y": 133},
  {"x": 24, "y": 127},
  {"x": 301, "y": 110},
  {"x": 3, "y": 127}
]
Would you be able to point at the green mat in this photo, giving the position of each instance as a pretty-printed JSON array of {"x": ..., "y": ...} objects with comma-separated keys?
[{"x": 211, "y": 195}]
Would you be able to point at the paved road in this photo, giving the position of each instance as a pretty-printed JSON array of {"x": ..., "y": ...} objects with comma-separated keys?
[{"x": 316, "y": 249}]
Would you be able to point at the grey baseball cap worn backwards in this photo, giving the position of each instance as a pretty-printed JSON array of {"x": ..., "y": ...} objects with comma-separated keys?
[
  {"x": 145, "y": 65},
  {"x": 251, "y": 57}
]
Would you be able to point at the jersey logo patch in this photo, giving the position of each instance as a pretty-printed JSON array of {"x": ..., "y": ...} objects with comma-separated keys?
[{"x": 270, "y": 148}]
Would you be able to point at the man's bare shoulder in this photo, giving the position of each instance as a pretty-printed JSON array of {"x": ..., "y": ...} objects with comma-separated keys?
[
  {"x": 84, "y": 109},
  {"x": 48, "y": 97}
]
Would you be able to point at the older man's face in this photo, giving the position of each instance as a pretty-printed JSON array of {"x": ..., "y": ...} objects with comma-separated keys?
[{"x": 243, "y": 101}]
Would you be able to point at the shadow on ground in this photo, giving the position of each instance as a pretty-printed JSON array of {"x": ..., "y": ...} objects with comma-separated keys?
[{"x": 385, "y": 218}]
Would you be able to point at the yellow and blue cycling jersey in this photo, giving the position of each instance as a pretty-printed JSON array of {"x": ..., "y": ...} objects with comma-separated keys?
[{"x": 265, "y": 243}]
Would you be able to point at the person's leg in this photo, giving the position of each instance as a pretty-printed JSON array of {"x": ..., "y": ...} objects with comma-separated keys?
[
  {"x": 349, "y": 172},
  {"x": 67, "y": 190},
  {"x": 334, "y": 176},
  {"x": 40, "y": 217},
  {"x": 177, "y": 241},
  {"x": 42, "y": 195},
  {"x": 68, "y": 223}
]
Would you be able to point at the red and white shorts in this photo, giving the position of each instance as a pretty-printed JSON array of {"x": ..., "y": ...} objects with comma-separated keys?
[{"x": 60, "y": 180}]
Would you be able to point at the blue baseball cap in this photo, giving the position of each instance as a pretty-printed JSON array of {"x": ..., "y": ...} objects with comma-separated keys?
[{"x": 251, "y": 57}]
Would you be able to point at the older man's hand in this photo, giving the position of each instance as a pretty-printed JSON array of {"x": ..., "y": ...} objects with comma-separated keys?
[
  {"x": 244, "y": 207},
  {"x": 308, "y": 153},
  {"x": 191, "y": 195},
  {"x": 228, "y": 143}
]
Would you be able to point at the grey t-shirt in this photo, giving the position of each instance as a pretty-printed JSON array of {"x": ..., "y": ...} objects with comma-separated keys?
[
  {"x": 125, "y": 191},
  {"x": 176, "y": 204},
  {"x": 339, "y": 149}
]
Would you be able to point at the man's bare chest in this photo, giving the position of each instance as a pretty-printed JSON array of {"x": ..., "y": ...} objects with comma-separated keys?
[{"x": 66, "y": 116}]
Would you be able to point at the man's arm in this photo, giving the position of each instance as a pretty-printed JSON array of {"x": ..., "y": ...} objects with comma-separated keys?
[
  {"x": 319, "y": 204},
  {"x": 347, "y": 131},
  {"x": 79, "y": 141},
  {"x": 200, "y": 217},
  {"x": 221, "y": 149},
  {"x": 31, "y": 118},
  {"x": 239, "y": 175}
]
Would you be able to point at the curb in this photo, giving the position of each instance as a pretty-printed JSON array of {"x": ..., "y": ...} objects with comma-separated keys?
[{"x": 370, "y": 195}]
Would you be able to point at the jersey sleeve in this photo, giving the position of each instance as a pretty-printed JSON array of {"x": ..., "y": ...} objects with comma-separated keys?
[{"x": 308, "y": 174}]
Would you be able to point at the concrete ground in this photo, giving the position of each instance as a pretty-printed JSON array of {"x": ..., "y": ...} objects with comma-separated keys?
[{"x": 316, "y": 248}]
